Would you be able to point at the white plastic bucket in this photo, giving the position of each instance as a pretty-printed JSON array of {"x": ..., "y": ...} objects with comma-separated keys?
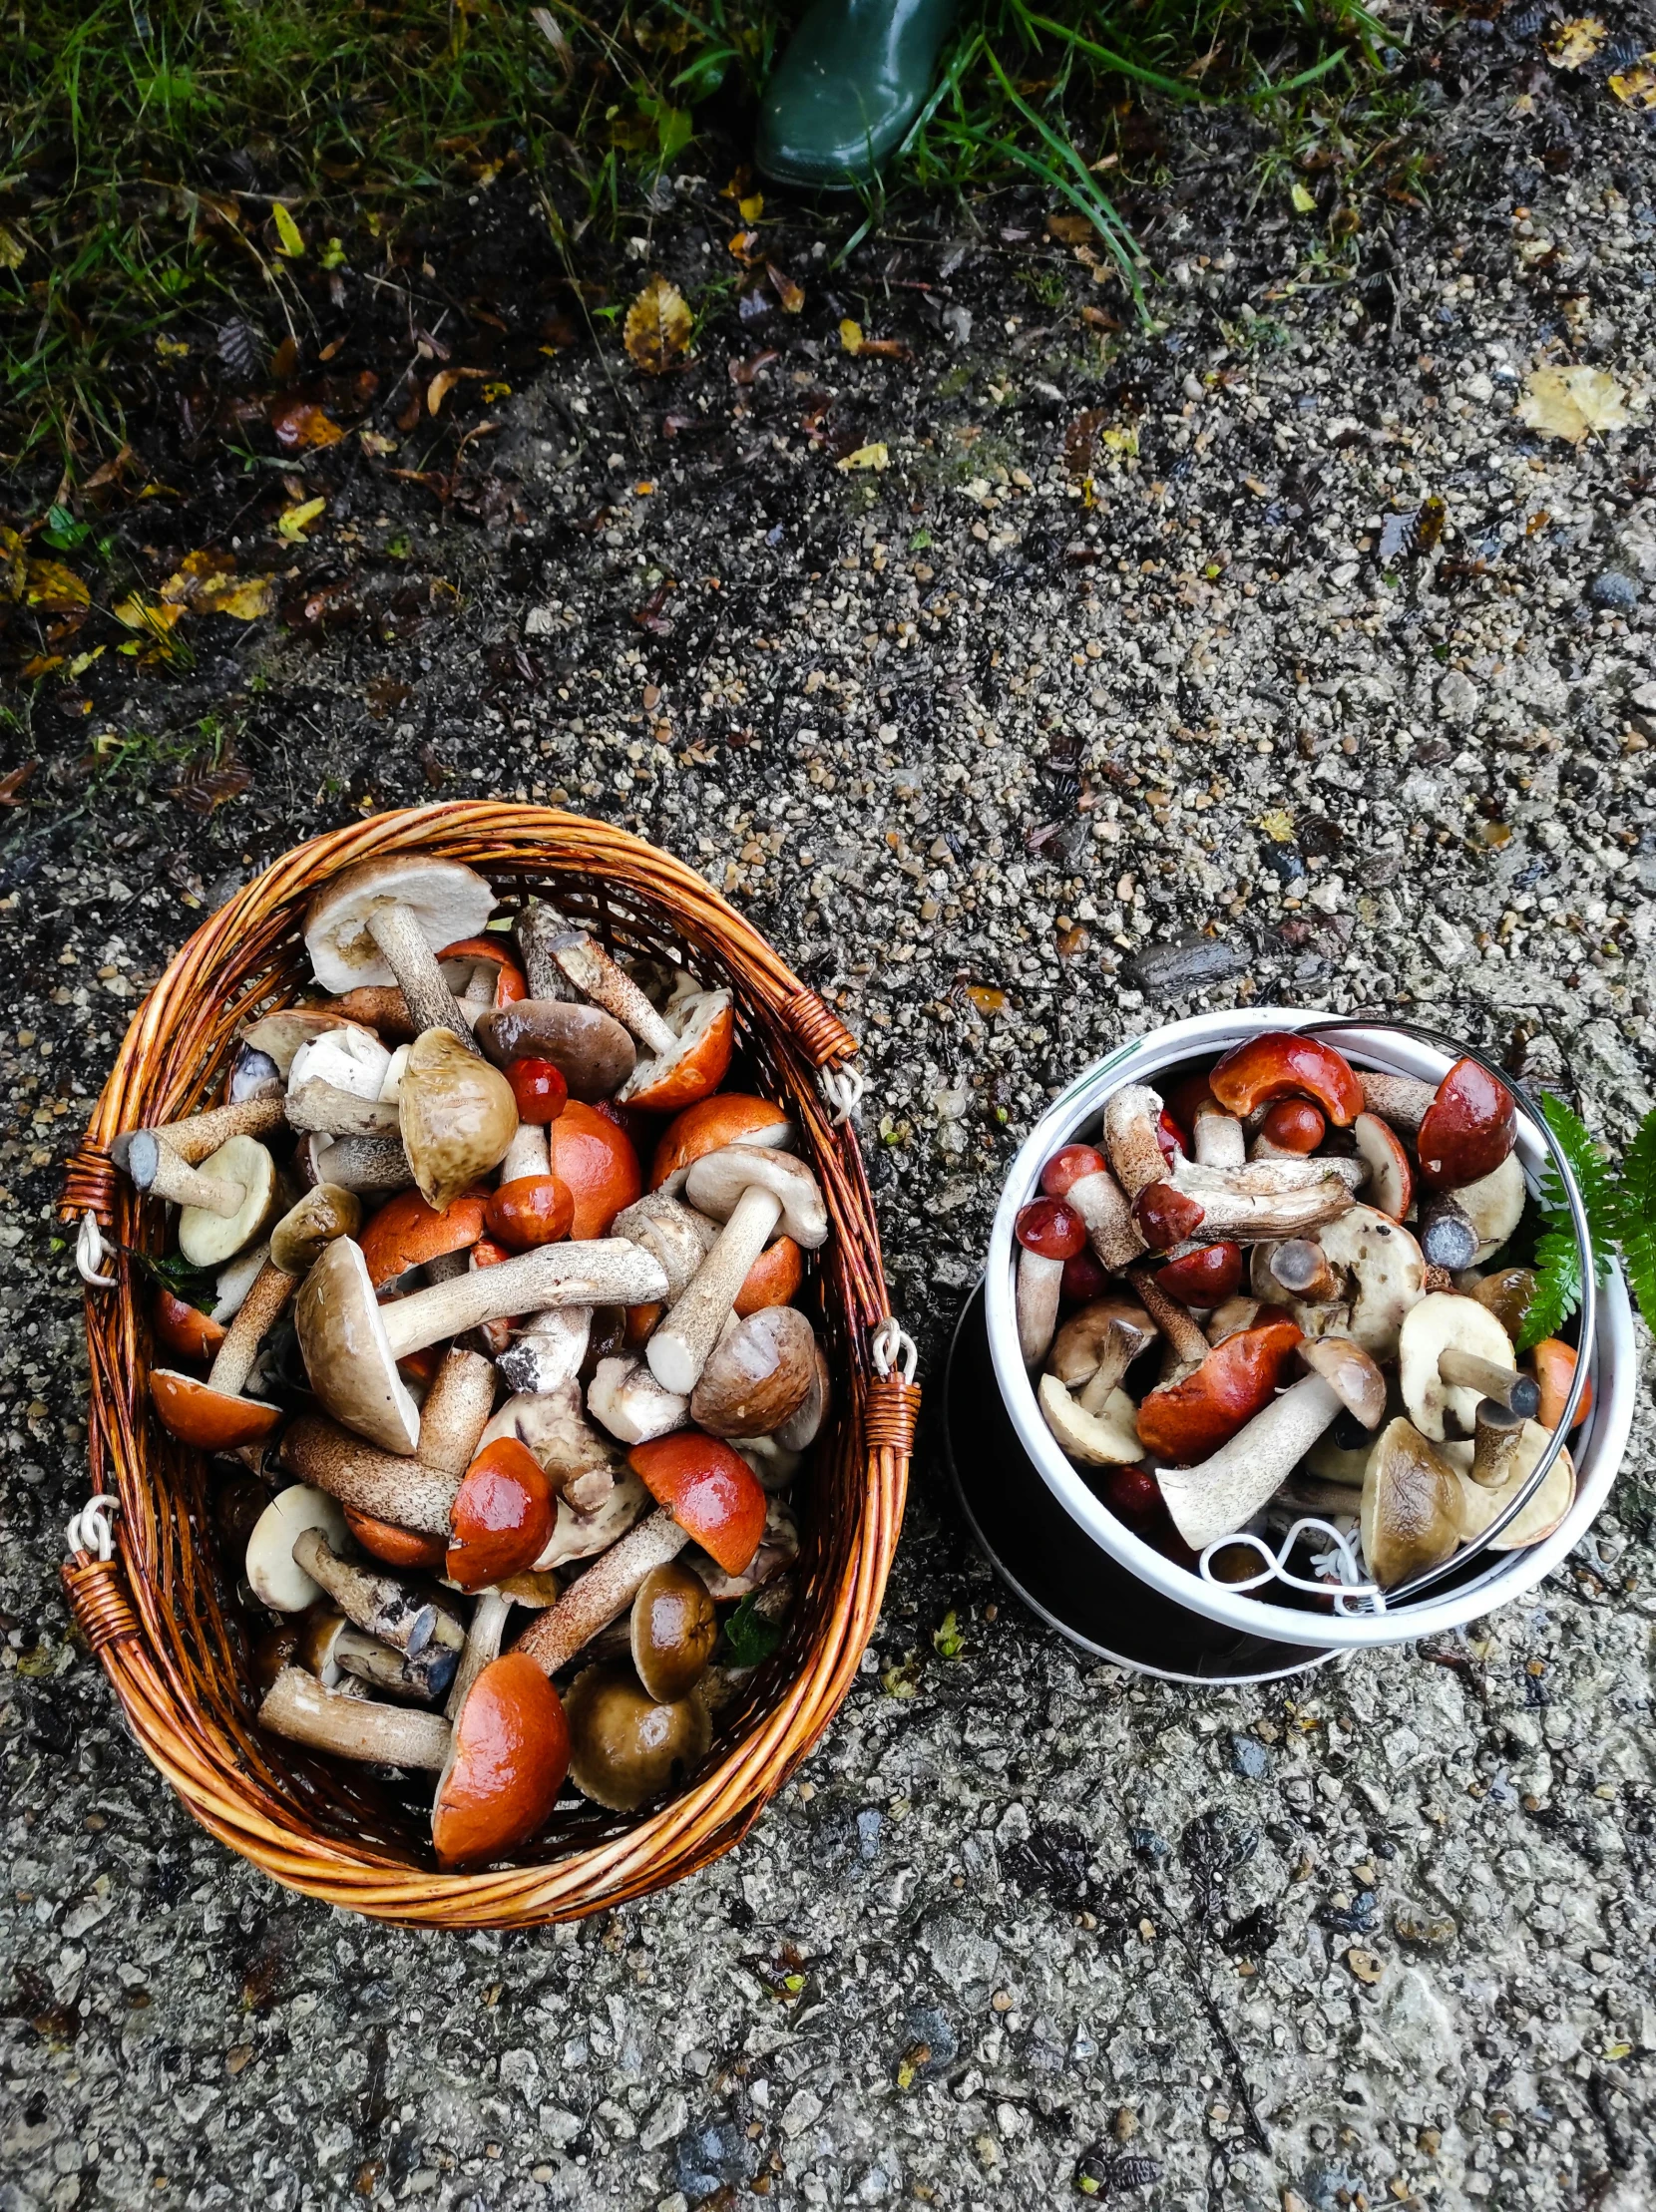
[{"x": 1596, "y": 1447}]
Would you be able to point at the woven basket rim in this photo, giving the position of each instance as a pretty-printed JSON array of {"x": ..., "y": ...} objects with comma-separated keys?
[{"x": 212, "y": 1774}]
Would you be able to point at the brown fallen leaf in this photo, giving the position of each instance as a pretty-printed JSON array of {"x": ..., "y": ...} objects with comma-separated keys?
[
  {"x": 986, "y": 999},
  {"x": 14, "y": 563},
  {"x": 1097, "y": 319},
  {"x": 11, "y": 787},
  {"x": 744, "y": 372},
  {"x": 658, "y": 327},
  {"x": 55, "y": 588},
  {"x": 1572, "y": 403},
  {"x": 745, "y": 248},
  {"x": 201, "y": 788},
  {"x": 443, "y": 383},
  {"x": 284, "y": 360},
  {"x": 652, "y": 615},
  {"x": 301, "y": 425},
  {"x": 192, "y": 571},
  {"x": 790, "y": 295},
  {"x": 1069, "y": 230}
]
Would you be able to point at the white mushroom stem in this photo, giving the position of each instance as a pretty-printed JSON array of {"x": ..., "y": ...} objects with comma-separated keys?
[
  {"x": 167, "y": 1176},
  {"x": 318, "y": 1105},
  {"x": 359, "y": 1163},
  {"x": 607, "y": 1587},
  {"x": 1399, "y": 1099},
  {"x": 1227, "y": 1490},
  {"x": 625, "y": 1398},
  {"x": 680, "y": 1346},
  {"x": 396, "y": 931},
  {"x": 1275, "y": 1178},
  {"x": 1132, "y": 1120},
  {"x": 603, "y": 1270},
  {"x": 299, "y": 1707},
  {"x": 483, "y": 1642},
  {"x": 1248, "y": 1216},
  {"x": 192, "y": 1140},
  {"x": 527, "y": 1154},
  {"x": 547, "y": 1351},
  {"x": 256, "y": 1315},
  {"x": 590, "y": 970},
  {"x": 1039, "y": 1281},
  {"x": 1219, "y": 1138},
  {"x": 399, "y": 1612},
  {"x": 1110, "y": 1229}
]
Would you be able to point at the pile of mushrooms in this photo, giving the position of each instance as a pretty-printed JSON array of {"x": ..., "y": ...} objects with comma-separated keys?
[
  {"x": 463, "y": 1354},
  {"x": 1277, "y": 1292}
]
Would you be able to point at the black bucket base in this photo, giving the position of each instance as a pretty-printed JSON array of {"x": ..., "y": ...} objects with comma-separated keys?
[{"x": 1055, "y": 1566}]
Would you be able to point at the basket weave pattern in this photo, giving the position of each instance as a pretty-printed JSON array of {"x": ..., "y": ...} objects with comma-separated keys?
[{"x": 162, "y": 1614}]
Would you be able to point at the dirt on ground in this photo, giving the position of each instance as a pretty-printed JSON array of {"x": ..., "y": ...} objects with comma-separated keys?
[{"x": 1027, "y": 682}]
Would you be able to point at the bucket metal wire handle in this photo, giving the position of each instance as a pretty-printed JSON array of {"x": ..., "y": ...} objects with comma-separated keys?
[
  {"x": 1351, "y": 1593},
  {"x": 1429, "y": 1577}
]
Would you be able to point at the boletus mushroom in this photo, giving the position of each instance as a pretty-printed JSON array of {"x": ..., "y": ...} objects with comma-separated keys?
[
  {"x": 1453, "y": 1351},
  {"x": 273, "y": 1576},
  {"x": 1222, "y": 1494},
  {"x": 1280, "y": 1063},
  {"x": 675, "y": 1627},
  {"x": 1049, "y": 1232},
  {"x": 755, "y": 1192},
  {"x": 412, "y": 1618},
  {"x": 685, "y": 1062},
  {"x": 458, "y": 1116},
  {"x": 727, "y": 1118},
  {"x": 1413, "y": 1512},
  {"x": 384, "y": 920},
  {"x": 1190, "y": 1418},
  {"x": 505, "y": 1766},
  {"x": 299, "y": 1707},
  {"x": 625, "y": 1747},
  {"x": 223, "y": 1204},
  {"x": 758, "y": 1376}
]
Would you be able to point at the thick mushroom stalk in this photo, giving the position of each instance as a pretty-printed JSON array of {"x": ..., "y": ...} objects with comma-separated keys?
[
  {"x": 351, "y": 1344},
  {"x": 336, "y": 1651},
  {"x": 354, "y": 1163},
  {"x": 603, "y": 1593},
  {"x": 1285, "y": 1196},
  {"x": 411, "y": 1493},
  {"x": 411, "y": 1620},
  {"x": 753, "y": 1190},
  {"x": 386, "y": 920},
  {"x": 299, "y": 1707},
  {"x": 1132, "y": 1118},
  {"x": 143, "y": 1153},
  {"x": 1498, "y": 1433},
  {"x": 1226, "y": 1490}
]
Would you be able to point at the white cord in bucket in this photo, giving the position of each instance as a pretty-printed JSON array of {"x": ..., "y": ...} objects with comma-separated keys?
[{"x": 1353, "y": 1594}]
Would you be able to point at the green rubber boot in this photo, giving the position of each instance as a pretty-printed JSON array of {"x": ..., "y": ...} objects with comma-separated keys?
[{"x": 854, "y": 77}]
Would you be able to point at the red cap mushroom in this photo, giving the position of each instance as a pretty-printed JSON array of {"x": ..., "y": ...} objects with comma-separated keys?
[
  {"x": 1467, "y": 1130},
  {"x": 1187, "y": 1420},
  {"x": 594, "y": 1156},
  {"x": 711, "y": 1491},
  {"x": 728, "y": 1118},
  {"x": 502, "y": 1515},
  {"x": 408, "y": 1232},
  {"x": 1205, "y": 1276},
  {"x": 506, "y": 1763},
  {"x": 1280, "y": 1063}
]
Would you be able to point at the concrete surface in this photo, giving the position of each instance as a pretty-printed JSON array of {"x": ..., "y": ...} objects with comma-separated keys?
[{"x": 967, "y": 738}]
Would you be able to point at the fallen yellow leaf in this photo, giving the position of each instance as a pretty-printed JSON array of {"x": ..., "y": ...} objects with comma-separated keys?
[
  {"x": 656, "y": 332},
  {"x": 1636, "y": 87},
  {"x": 242, "y": 599},
  {"x": 790, "y": 294},
  {"x": 192, "y": 571},
  {"x": 1305, "y": 202},
  {"x": 1572, "y": 403},
  {"x": 171, "y": 350},
  {"x": 866, "y": 456},
  {"x": 1574, "y": 42},
  {"x": 1278, "y": 826},
  {"x": 851, "y": 335},
  {"x": 378, "y": 446},
  {"x": 55, "y": 588},
  {"x": 290, "y": 239},
  {"x": 12, "y": 249},
  {"x": 292, "y": 523},
  {"x": 82, "y": 661},
  {"x": 14, "y": 563},
  {"x": 139, "y": 613},
  {"x": 752, "y": 208}
]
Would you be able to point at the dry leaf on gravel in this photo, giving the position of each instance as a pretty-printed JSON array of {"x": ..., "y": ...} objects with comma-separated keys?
[
  {"x": 139, "y": 613},
  {"x": 658, "y": 329},
  {"x": 444, "y": 382},
  {"x": 11, "y": 787},
  {"x": 292, "y": 523},
  {"x": 1574, "y": 42},
  {"x": 1636, "y": 87},
  {"x": 866, "y": 456},
  {"x": 1572, "y": 403},
  {"x": 1069, "y": 230},
  {"x": 790, "y": 295}
]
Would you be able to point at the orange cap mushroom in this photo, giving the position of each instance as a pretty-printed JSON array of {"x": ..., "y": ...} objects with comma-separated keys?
[
  {"x": 507, "y": 1761},
  {"x": 502, "y": 1516},
  {"x": 729, "y": 1118},
  {"x": 1282, "y": 1064},
  {"x": 711, "y": 1491},
  {"x": 593, "y": 1155},
  {"x": 407, "y": 1233},
  {"x": 1186, "y": 1421}
]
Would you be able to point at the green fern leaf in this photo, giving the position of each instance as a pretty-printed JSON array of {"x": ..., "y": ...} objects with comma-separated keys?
[
  {"x": 1557, "y": 1291},
  {"x": 1636, "y": 1216},
  {"x": 1592, "y": 1178}
]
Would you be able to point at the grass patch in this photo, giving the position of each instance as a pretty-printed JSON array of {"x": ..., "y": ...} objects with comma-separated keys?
[{"x": 187, "y": 159}]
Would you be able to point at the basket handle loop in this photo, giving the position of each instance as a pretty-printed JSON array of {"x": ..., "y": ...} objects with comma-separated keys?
[
  {"x": 93, "y": 1580},
  {"x": 844, "y": 1089},
  {"x": 890, "y": 1342},
  {"x": 89, "y": 1254}
]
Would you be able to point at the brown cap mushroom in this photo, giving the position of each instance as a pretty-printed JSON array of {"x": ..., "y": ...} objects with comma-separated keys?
[
  {"x": 1413, "y": 1508},
  {"x": 1103, "y": 1436},
  {"x": 625, "y": 1747},
  {"x": 758, "y": 1376},
  {"x": 351, "y": 1344},
  {"x": 458, "y": 1116},
  {"x": 223, "y": 1204},
  {"x": 384, "y": 922},
  {"x": 1096, "y": 1345},
  {"x": 687, "y": 1061},
  {"x": 300, "y": 1237},
  {"x": 754, "y": 1191},
  {"x": 675, "y": 1629}
]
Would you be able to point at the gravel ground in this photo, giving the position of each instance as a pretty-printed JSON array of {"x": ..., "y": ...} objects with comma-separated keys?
[{"x": 1133, "y": 686}]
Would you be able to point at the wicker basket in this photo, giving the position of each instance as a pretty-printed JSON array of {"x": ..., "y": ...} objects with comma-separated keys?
[{"x": 160, "y": 1612}]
